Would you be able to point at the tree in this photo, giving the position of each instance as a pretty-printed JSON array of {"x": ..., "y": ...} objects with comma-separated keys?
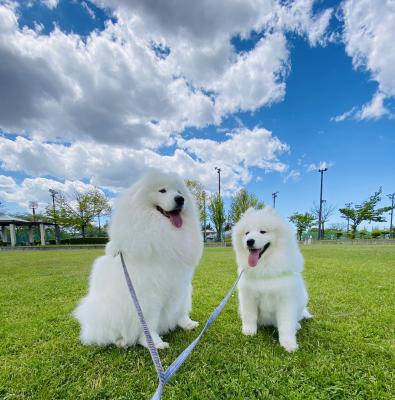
[
  {"x": 303, "y": 222},
  {"x": 241, "y": 202},
  {"x": 79, "y": 211},
  {"x": 217, "y": 214},
  {"x": 326, "y": 211},
  {"x": 366, "y": 211},
  {"x": 198, "y": 192},
  {"x": 101, "y": 205}
]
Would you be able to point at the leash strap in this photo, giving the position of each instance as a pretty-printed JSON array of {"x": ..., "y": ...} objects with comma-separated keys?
[
  {"x": 151, "y": 346},
  {"x": 164, "y": 376}
]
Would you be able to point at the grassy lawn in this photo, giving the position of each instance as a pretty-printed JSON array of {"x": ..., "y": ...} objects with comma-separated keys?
[{"x": 345, "y": 352}]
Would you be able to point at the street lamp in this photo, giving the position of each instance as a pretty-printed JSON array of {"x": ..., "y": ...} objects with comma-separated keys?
[
  {"x": 391, "y": 196},
  {"x": 219, "y": 180},
  {"x": 321, "y": 171},
  {"x": 219, "y": 193},
  {"x": 204, "y": 217},
  {"x": 274, "y": 198},
  {"x": 33, "y": 205},
  {"x": 53, "y": 193}
]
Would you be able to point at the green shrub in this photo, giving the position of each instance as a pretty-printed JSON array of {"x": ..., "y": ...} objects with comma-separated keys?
[
  {"x": 376, "y": 234},
  {"x": 87, "y": 240}
]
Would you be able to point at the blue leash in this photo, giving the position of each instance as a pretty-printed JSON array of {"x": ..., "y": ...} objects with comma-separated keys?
[{"x": 164, "y": 376}]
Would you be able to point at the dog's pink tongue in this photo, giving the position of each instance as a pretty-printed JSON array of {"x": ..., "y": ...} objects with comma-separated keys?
[
  {"x": 176, "y": 219},
  {"x": 253, "y": 258}
]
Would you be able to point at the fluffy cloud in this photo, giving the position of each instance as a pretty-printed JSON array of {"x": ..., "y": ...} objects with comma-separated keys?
[
  {"x": 249, "y": 82},
  {"x": 369, "y": 36},
  {"x": 209, "y": 21},
  {"x": 115, "y": 167},
  {"x": 37, "y": 189},
  {"x": 374, "y": 109},
  {"x": 114, "y": 87},
  {"x": 101, "y": 108}
]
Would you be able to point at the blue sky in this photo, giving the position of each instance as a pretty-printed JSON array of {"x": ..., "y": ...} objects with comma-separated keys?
[{"x": 93, "y": 102}]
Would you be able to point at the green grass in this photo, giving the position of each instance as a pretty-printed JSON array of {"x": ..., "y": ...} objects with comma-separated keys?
[{"x": 346, "y": 351}]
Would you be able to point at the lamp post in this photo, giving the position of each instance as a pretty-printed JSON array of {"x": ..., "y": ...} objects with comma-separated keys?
[
  {"x": 219, "y": 180},
  {"x": 219, "y": 193},
  {"x": 53, "y": 193},
  {"x": 274, "y": 198},
  {"x": 204, "y": 217},
  {"x": 348, "y": 205},
  {"x": 321, "y": 171},
  {"x": 391, "y": 196},
  {"x": 33, "y": 205}
]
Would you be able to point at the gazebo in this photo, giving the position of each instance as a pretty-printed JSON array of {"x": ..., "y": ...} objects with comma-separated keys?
[{"x": 12, "y": 222}]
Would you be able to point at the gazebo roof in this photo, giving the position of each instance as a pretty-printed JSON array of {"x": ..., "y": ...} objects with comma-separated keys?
[{"x": 7, "y": 220}]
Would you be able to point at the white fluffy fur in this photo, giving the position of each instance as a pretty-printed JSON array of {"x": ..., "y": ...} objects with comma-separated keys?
[
  {"x": 160, "y": 258},
  {"x": 273, "y": 292}
]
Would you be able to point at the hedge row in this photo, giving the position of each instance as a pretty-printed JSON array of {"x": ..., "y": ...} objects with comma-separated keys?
[{"x": 87, "y": 240}]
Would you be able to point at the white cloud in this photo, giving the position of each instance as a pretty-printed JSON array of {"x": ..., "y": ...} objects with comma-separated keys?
[
  {"x": 211, "y": 21},
  {"x": 369, "y": 36},
  {"x": 100, "y": 108},
  {"x": 321, "y": 165},
  {"x": 36, "y": 189},
  {"x": 293, "y": 175},
  {"x": 113, "y": 87},
  {"x": 345, "y": 115},
  {"x": 50, "y": 3},
  {"x": 88, "y": 9},
  {"x": 374, "y": 109},
  {"x": 6, "y": 182},
  {"x": 115, "y": 167},
  {"x": 256, "y": 78}
]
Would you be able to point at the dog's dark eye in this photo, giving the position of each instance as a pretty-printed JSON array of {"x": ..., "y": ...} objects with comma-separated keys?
[
  {"x": 262, "y": 232},
  {"x": 247, "y": 233},
  {"x": 162, "y": 191}
]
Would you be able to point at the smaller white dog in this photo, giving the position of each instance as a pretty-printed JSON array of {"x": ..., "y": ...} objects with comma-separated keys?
[{"x": 271, "y": 290}]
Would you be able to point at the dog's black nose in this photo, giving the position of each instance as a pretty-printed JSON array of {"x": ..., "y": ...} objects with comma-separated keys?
[
  {"x": 179, "y": 201},
  {"x": 250, "y": 242}
]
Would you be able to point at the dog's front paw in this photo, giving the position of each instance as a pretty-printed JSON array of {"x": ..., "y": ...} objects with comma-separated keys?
[
  {"x": 191, "y": 325},
  {"x": 121, "y": 343},
  {"x": 187, "y": 324},
  {"x": 158, "y": 342},
  {"x": 289, "y": 344},
  {"x": 249, "y": 330},
  {"x": 161, "y": 345}
]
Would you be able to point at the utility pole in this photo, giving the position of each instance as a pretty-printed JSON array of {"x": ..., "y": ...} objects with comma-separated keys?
[
  {"x": 53, "y": 193},
  {"x": 321, "y": 171},
  {"x": 391, "y": 196},
  {"x": 274, "y": 198}
]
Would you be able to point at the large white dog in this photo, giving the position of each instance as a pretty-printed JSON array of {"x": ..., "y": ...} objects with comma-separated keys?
[
  {"x": 156, "y": 226},
  {"x": 271, "y": 290}
]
